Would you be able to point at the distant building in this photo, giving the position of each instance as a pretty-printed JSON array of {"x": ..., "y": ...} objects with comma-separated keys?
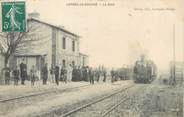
[{"x": 58, "y": 47}]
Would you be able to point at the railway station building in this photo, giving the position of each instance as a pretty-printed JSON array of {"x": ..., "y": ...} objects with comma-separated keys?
[{"x": 57, "y": 46}]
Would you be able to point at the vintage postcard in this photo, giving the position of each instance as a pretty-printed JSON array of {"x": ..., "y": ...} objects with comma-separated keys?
[{"x": 91, "y": 58}]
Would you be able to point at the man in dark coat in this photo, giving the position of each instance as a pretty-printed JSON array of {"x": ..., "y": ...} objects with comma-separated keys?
[
  {"x": 16, "y": 75},
  {"x": 45, "y": 74},
  {"x": 57, "y": 74},
  {"x": 74, "y": 74},
  {"x": 62, "y": 73},
  {"x": 7, "y": 76},
  {"x": 91, "y": 76},
  {"x": 52, "y": 70},
  {"x": 104, "y": 74},
  {"x": 79, "y": 74},
  {"x": 23, "y": 72},
  {"x": 82, "y": 72},
  {"x": 97, "y": 75}
]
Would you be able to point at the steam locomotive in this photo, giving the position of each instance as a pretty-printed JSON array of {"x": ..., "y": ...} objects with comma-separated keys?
[{"x": 145, "y": 71}]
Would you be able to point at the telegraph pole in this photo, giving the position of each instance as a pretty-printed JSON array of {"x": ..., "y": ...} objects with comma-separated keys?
[{"x": 174, "y": 66}]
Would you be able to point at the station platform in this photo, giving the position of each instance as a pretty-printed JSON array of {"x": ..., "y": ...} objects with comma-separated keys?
[
  {"x": 8, "y": 91},
  {"x": 26, "y": 107}
]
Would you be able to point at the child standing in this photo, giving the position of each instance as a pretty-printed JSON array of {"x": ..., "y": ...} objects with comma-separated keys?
[{"x": 33, "y": 75}]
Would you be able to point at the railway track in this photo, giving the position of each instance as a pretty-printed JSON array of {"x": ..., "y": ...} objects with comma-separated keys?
[
  {"x": 114, "y": 107},
  {"x": 128, "y": 106},
  {"x": 40, "y": 93},
  {"x": 99, "y": 100}
]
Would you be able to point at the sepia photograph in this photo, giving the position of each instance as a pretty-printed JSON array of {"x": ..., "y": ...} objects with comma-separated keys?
[{"x": 91, "y": 58}]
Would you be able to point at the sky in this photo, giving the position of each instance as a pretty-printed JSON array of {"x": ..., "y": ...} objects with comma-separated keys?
[{"x": 116, "y": 35}]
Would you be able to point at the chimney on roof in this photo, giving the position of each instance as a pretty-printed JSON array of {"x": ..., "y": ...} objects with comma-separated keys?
[{"x": 34, "y": 15}]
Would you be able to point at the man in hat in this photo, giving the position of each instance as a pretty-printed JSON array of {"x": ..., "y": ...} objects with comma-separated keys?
[{"x": 23, "y": 72}]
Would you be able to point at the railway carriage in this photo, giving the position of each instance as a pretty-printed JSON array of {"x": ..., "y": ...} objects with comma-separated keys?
[{"x": 124, "y": 73}]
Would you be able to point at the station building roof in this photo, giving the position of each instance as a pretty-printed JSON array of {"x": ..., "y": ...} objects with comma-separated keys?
[{"x": 55, "y": 26}]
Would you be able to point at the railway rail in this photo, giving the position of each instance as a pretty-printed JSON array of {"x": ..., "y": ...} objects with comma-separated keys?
[
  {"x": 40, "y": 93},
  {"x": 98, "y": 101},
  {"x": 114, "y": 107},
  {"x": 128, "y": 105}
]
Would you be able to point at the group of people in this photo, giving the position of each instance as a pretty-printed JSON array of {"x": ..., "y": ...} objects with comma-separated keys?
[
  {"x": 74, "y": 73},
  {"x": 57, "y": 73},
  {"x": 114, "y": 75},
  {"x": 20, "y": 72},
  {"x": 95, "y": 74},
  {"x": 60, "y": 74}
]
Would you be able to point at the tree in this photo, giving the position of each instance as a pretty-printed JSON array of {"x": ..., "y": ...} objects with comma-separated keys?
[{"x": 20, "y": 42}]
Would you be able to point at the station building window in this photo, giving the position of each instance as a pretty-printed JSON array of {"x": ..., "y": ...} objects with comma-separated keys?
[
  {"x": 64, "y": 62},
  {"x": 64, "y": 43},
  {"x": 73, "y": 63},
  {"x": 73, "y": 46}
]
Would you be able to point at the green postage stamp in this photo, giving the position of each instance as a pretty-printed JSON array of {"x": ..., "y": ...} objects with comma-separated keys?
[{"x": 13, "y": 16}]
